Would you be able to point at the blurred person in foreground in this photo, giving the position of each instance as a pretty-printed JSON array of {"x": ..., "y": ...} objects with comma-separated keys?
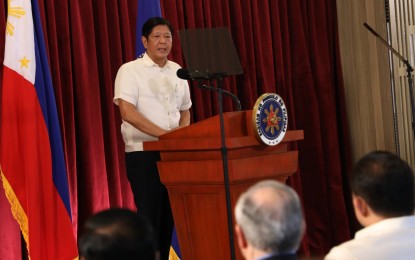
[
  {"x": 269, "y": 222},
  {"x": 383, "y": 199},
  {"x": 117, "y": 234}
]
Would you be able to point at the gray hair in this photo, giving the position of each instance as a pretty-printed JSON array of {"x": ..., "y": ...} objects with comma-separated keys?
[{"x": 273, "y": 224}]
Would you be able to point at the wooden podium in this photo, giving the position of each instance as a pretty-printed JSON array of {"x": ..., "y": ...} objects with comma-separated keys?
[{"x": 192, "y": 170}]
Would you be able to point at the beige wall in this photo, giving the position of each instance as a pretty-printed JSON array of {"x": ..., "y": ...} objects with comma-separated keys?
[
  {"x": 366, "y": 76},
  {"x": 402, "y": 25}
]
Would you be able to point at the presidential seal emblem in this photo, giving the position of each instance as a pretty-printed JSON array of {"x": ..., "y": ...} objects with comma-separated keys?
[{"x": 270, "y": 119}]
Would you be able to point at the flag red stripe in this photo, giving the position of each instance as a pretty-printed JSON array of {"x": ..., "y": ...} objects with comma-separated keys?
[{"x": 26, "y": 162}]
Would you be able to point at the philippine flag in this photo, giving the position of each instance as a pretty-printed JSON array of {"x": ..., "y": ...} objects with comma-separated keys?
[{"x": 31, "y": 156}]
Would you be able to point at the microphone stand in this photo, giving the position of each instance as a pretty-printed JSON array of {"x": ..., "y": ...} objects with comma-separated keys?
[
  {"x": 224, "y": 91},
  {"x": 409, "y": 71},
  {"x": 224, "y": 152}
]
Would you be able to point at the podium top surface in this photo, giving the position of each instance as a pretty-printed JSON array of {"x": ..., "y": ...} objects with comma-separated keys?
[{"x": 206, "y": 134}]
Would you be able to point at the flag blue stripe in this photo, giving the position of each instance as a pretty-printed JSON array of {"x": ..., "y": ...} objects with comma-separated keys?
[
  {"x": 175, "y": 244},
  {"x": 46, "y": 96},
  {"x": 146, "y": 9}
]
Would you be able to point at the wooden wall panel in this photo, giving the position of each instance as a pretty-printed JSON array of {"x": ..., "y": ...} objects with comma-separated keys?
[
  {"x": 402, "y": 24},
  {"x": 366, "y": 76}
]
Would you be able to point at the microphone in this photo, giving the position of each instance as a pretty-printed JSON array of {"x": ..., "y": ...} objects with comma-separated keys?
[{"x": 195, "y": 75}]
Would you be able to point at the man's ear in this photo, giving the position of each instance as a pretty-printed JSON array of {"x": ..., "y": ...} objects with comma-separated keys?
[
  {"x": 360, "y": 206},
  {"x": 240, "y": 237},
  {"x": 144, "y": 41}
]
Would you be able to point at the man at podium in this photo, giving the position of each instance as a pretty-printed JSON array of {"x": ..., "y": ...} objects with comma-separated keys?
[{"x": 152, "y": 102}]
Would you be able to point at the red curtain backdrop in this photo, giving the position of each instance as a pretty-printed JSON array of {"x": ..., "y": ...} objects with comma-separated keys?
[{"x": 289, "y": 47}]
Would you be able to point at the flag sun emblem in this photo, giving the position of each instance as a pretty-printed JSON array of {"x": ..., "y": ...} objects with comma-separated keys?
[{"x": 270, "y": 119}]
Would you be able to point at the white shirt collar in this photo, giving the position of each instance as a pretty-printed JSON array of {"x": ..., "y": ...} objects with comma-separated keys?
[
  {"x": 150, "y": 63},
  {"x": 391, "y": 224}
]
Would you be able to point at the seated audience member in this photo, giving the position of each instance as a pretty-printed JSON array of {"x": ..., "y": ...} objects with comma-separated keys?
[
  {"x": 117, "y": 234},
  {"x": 383, "y": 198},
  {"x": 269, "y": 222}
]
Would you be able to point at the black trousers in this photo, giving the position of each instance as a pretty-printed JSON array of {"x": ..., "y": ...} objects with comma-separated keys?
[{"x": 150, "y": 196}]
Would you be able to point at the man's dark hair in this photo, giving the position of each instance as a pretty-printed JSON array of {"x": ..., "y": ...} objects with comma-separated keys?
[
  {"x": 117, "y": 234},
  {"x": 153, "y": 22},
  {"x": 385, "y": 182}
]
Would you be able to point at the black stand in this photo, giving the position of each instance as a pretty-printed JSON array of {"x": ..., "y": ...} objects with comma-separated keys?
[
  {"x": 212, "y": 52},
  {"x": 224, "y": 152},
  {"x": 409, "y": 71},
  {"x": 224, "y": 91}
]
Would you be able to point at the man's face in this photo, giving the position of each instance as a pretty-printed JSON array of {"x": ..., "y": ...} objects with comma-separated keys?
[{"x": 158, "y": 44}]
